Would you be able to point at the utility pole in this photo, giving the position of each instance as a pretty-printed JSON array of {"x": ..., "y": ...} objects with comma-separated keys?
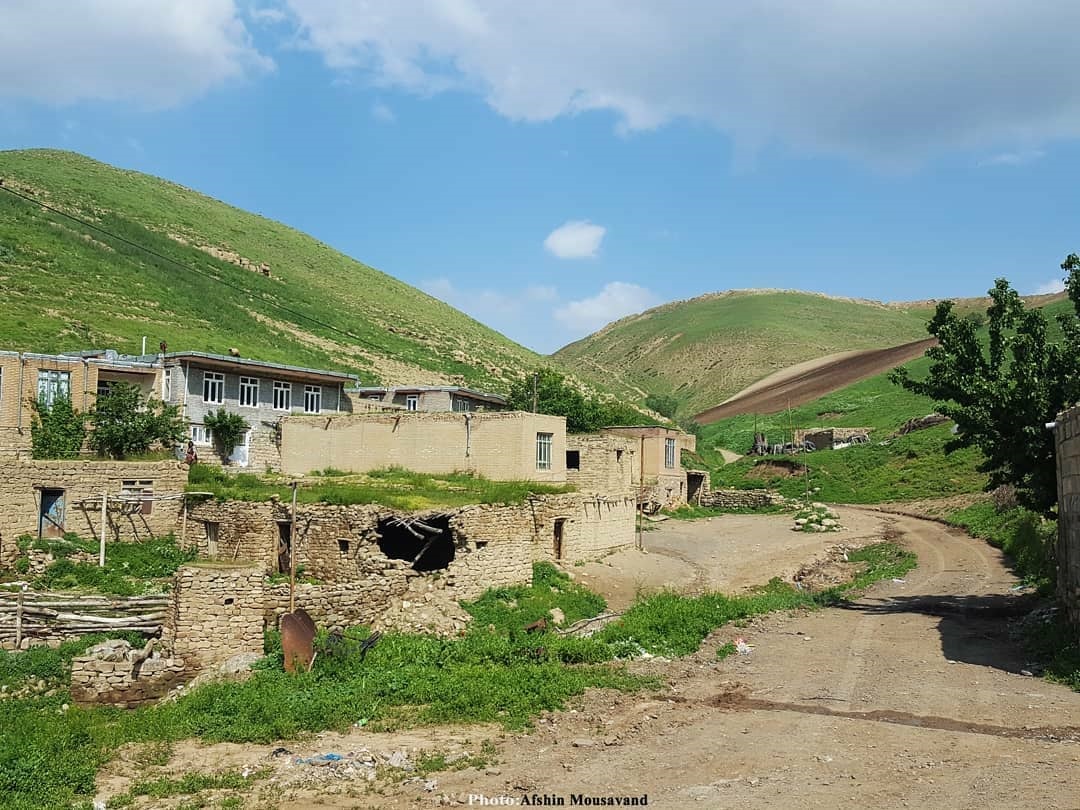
[
  {"x": 536, "y": 378},
  {"x": 292, "y": 552}
]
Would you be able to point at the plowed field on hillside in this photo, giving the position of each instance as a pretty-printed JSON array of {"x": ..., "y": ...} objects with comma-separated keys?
[{"x": 809, "y": 381}]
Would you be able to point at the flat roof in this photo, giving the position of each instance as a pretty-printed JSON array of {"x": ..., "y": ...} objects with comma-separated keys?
[
  {"x": 420, "y": 389},
  {"x": 221, "y": 360}
]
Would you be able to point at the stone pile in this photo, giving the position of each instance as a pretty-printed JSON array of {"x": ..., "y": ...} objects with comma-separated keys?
[{"x": 113, "y": 672}]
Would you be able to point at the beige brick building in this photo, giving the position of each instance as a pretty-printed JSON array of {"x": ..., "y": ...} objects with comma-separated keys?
[
  {"x": 502, "y": 446},
  {"x": 431, "y": 398},
  {"x": 26, "y": 377},
  {"x": 659, "y": 475}
]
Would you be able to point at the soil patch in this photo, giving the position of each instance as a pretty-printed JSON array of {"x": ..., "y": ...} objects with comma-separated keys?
[{"x": 776, "y": 468}]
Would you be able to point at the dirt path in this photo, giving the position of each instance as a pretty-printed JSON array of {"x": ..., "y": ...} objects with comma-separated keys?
[
  {"x": 910, "y": 697},
  {"x": 808, "y": 381}
]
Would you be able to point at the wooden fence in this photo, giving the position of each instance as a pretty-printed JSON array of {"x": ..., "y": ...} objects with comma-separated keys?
[{"x": 33, "y": 614}]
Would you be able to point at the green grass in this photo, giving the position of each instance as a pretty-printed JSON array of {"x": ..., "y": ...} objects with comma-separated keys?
[
  {"x": 187, "y": 785},
  {"x": 129, "y": 567},
  {"x": 495, "y": 673},
  {"x": 674, "y": 349},
  {"x": 393, "y": 487},
  {"x": 65, "y": 291}
]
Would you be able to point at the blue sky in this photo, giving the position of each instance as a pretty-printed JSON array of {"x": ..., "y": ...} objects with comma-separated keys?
[{"x": 548, "y": 169}]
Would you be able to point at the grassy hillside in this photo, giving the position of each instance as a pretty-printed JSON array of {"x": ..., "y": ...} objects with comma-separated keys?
[
  {"x": 706, "y": 349},
  {"x": 67, "y": 287}
]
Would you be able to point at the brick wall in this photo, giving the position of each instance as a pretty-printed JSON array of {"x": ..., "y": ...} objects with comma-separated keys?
[
  {"x": 1067, "y": 435},
  {"x": 82, "y": 483},
  {"x": 499, "y": 446},
  {"x": 606, "y": 463}
]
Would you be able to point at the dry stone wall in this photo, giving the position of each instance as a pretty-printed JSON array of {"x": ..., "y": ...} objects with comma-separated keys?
[
  {"x": 1068, "y": 546},
  {"x": 109, "y": 674},
  {"x": 741, "y": 498}
]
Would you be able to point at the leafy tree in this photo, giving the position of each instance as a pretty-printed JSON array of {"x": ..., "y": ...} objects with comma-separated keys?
[
  {"x": 126, "y": 424},
  {"x": 1001, "y": 393},
  {"x": 229, "y": 430},
  {"x": 663, "y": 404},
  {"x": 57, "y": 430},
  {"x": 557, "y": 397}
]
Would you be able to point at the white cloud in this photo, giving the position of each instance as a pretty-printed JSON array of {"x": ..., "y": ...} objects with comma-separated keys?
[
  {"x": 1054, "y": 285},
  {"x": 885, "y": 82},
  {"x": 579, "y": 239},
  {"x": 1018, "y": 157},
  {"x": 616, "y": 300},
  {"x": 486, "y": 304},
  {"x": 383, "y": 114},
  {"x": 155, "y": 52}
]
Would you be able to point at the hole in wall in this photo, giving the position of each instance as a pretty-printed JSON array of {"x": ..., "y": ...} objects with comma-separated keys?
[
  {"x": 427, "y": 543},
  {"x": 229, "y": 600},
  {"x": 343, "y": 545},
  {"x": 573, "y": 459}
]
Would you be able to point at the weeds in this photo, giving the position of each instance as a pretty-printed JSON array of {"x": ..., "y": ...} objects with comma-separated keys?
[{"x": 1024, "y": 535}]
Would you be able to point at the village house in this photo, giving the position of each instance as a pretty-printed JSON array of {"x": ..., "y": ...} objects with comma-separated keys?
[
  {"x": 660, "y": 476},
  {"x": 262, "y": 393},
  {"x": 432, "y": 398},
  {"x": 78, "y": 376}
]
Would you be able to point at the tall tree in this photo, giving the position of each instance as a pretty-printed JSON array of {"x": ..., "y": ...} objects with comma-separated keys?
[{"x": 1001, "y": 392}]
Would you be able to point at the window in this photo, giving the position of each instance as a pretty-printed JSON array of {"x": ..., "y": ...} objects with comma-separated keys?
[
  {"x": 412, "y": 402},
  {"x": 213, "y": 387},
  {"x": 103, "y": 388},
  {"x": 462, "y": 404},
  {"x": 573, "y": 459},
  {"x": 200, "y": 434},
  {"x": 282, "y": 396},
  {"x": 543, "y": 451},
  {"x": 53, "y": 385},
  {"x": 312, "y": 398},
  {"x": 249, "y": 392},
  {"x": 133, "y": 490},
  {"x": 166, "y": 388},
  {"x": 669, "y": 453}
]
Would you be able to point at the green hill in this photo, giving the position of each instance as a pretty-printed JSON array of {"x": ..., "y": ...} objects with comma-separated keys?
[
  {"x": 70, "y": 287},
  {"x": 704, "y": 350}
]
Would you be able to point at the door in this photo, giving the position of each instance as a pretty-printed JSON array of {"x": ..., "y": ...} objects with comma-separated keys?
[
  {"x": 239, "y": 455},
  {"x": 51, "y": 522},
  {"x": 560, "y": 526}
]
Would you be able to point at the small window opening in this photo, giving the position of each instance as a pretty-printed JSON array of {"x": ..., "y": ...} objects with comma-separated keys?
[
  {"x": 573, "y": 459},
  {"x": 343, "y": 545},
  {"x": 427, "y": 543},
  {"x": 229, "y": 600},
  {"x": 481, "y": 544},
  {"x": 618, "y": 455}
]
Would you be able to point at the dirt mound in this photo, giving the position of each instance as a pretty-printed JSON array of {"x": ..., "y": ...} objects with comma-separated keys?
[
  {"x": 776, "y": 468},
  {"x": 813, "y": 380}
]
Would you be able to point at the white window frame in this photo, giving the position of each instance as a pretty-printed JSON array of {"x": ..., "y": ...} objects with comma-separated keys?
[
  {"x": 544, "y": 442},
  {"x": 166, "y": 386},
  {"x": 202, "y": 435},
  {"x": 250, "y": 386},
  {"x": 282, "y": 391},
  {"x": 461, "y": 404},
  {"x": 669, "y": 454},
  {"x": 53, "y": 385},
  {"x": 412, "y": 402},
  {"x": 213, "y": 381},
  {"x": 313, "y": 395}
]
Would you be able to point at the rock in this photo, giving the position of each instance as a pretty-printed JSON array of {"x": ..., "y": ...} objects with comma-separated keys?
[
  {"x": 583, "y": 743},
  {"x": 557, "y": 616},
  {"x": 239, "y": 663},
  {"x": 114, "y": 650}
]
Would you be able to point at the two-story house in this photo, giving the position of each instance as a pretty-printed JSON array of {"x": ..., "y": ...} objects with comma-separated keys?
[
  {"x": 260, "y": 392},
  {"x": 26, "y": 377},
  {"x": 432, "y": 398}
]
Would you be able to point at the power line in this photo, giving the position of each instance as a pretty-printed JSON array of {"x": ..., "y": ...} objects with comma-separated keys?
[{"x": 188, "y": 267}]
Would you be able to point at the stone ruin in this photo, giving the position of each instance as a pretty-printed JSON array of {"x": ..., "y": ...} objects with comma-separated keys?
[{"x": 116, "y": 673}]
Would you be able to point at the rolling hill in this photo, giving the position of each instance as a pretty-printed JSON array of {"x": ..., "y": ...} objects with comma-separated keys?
[
  {"x": 706, "y": 349},
  {"x": 215, "y": 278}
]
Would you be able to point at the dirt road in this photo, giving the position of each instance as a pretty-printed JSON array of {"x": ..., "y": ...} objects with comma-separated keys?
[{"x": 911, "y": 697}]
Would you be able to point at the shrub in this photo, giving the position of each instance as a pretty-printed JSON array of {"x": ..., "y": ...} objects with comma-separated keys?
[
  {"x": 126, "y": 424},
  {"x": 57, "y": 430},
  {"x": 229, "y": 430}
]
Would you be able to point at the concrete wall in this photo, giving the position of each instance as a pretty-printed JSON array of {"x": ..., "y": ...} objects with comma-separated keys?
[
  {"x": 606, "y": 463},
  {"x": 499, "y": 446},
  {"x": 1067, "y": 435},
  {"x": 22, "y": 480}
]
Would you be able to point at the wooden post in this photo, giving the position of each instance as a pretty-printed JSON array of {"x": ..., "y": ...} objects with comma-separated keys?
[
  {"x": 18, "y": 618},
  {"x": 104, "y": 518},
  {"x": 292, "y": 552}
]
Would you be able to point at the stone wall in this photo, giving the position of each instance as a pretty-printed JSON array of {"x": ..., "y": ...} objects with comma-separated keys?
[
  {"x": 825, "y": 438},
  {"x": 501, "y": 446},
  {"x": 741, "y": 498},
  {"x": 82, "y": 483},
  {"x": 119, "y": 680},
  {"x": 606, "y": 463},
  {"x": 217, "y": 612},
  {"x": 1067, "y": 434}
]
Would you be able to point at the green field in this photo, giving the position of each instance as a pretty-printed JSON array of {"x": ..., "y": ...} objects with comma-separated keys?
[
  {"x": 706, "y": 349},
  {"x": 69, "y": 287}
]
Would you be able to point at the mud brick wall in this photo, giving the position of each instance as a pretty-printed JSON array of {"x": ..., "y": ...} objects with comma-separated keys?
[
  {"x": 124, "y": 683},
  {"x": 1067, "y": 434},
  {"x": 217, "y": 612},
  {"x": 22, "y": 480},
  {"x": 606, "y": 463}
]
